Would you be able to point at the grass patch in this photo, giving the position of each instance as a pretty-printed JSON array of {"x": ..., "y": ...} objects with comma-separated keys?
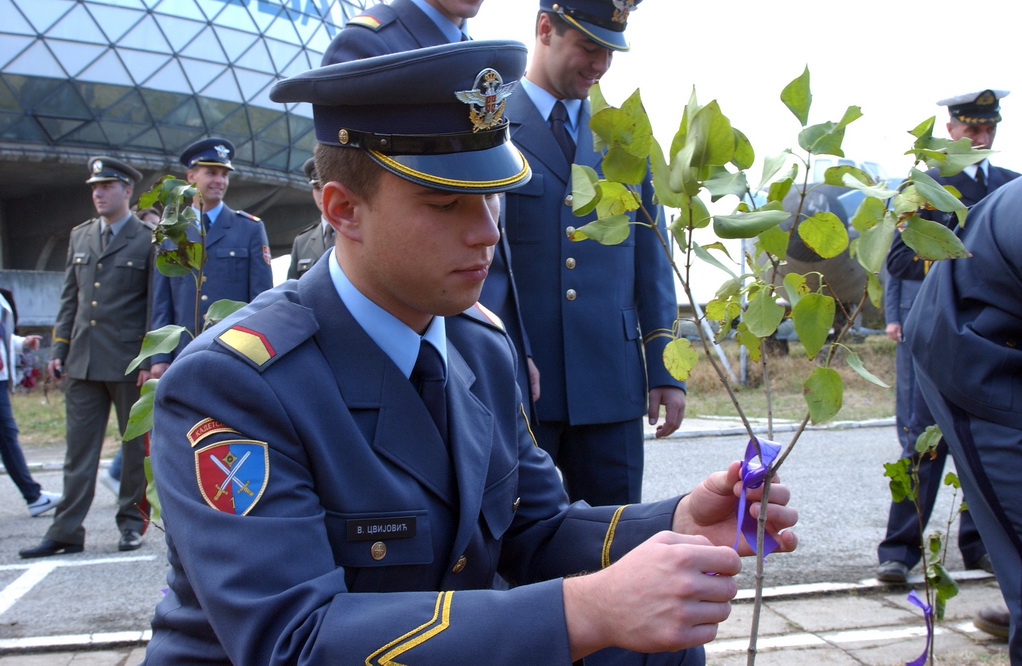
[
  {"x": 861, "y": 399},
  {"x": 39, "y": 414}
]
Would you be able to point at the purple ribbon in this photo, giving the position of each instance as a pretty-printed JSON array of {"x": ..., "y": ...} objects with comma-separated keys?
[
  {"x": 753, "y": 476},
  {"x": 928, "y": 613}
]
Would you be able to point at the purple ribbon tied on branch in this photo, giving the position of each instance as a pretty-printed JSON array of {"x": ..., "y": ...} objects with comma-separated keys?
[
  {"x": 753, "y": 475},
  {"x": 928, "y": 612}
]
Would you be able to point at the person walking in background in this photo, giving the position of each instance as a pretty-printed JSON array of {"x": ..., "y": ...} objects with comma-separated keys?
[
  {"x": 313, "y": 241},
  {"x": 595, "y": 315},
  {"x": 102, "y": 319},
  {"x": 973, "y": 116},
  {"x": 39, "y": 501},
  {"x": 237, "y": 252}
]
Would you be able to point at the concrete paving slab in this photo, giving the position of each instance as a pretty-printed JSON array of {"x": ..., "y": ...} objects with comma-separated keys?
[
  {"x": 835, "y": 613},
  {"x": 739, "y": 623}
]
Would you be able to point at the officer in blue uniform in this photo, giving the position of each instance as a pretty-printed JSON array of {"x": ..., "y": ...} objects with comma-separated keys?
[
  {"x": 312, "y": 242},
  {"x": 598, "y": 317},
  {"x": 345, "y": 465},
  {"x": 409, "y": 24},
  {"x": 974, "y": 116},
  {"x": 237, "y": 251},
  {"x": 965, "y": 334}
]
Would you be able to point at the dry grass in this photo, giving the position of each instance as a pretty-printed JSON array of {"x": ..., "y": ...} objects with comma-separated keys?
[
  {"x": 861, "y": 400},
  {"x": 39, "y": 414}
]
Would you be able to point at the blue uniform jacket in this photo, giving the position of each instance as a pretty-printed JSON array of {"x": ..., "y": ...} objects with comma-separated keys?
[
  {"x": 364, "y": 541},
  {"x": 237, "y": 268},
  {"x": 971, "y": 311},
  {"x": 589, "y": 309},
  {"x": 390, "y": 28}
]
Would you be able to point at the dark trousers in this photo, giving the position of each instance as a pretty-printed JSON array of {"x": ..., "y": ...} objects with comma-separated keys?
[
  {"x": 988, "y": 457},
  {"x": 617, "y": 657},
  {"x": 601, "y": 463},
  {"x": 903, "y": 540},
  {"x": 87, "y": 405},
  {"x": 10, "y": 449}
]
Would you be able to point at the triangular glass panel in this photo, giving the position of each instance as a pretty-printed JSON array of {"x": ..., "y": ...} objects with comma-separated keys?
[
  {"x": 90, "y": 133},
  {"x": 162, "y": 103},
  {"x": 44, "y": 14},
  {"x": 57, "y": 128},
  {"x": 146, "y": 36},
  {"x": 282, "y": 29},
  {"x": 179, "y": 31},
  {"x": 131, "y": 107},
  {"x": 30, "y": 90},
  {"x": 304, "y": 24},
  {"x": 36, "y": 60},
  {"x": 149, "y": 139},
  {"x": 298, "y": 158},
  {"x": 99, "y": 97},
  {"x": 8, "y": 101},
  {"x": 224, "y": 87},
  {"x": 236, "y": 123},
  {"x": 243, "y": 152},
  {"x": 252, "y": 83},
  {"x": 14, "y": 22},
  {"x": 115, "y": 21},
  {"x": 178, "y": 110},
  {"x": 141, "y": 65},
  {"x": 170, "y": 77},
  {"x": 319, "y": 41},
  {"x": 256, "y": 58},
  {"x": 64, "y": 101},
  {"x": 235, "y": 42},
  {"x": 276, "y": 132},
  {"x": 260, "y": 118},
  {"x": 75, "y": 57},
  {"x": 186, "y": 9},
  {"x": 276, "y": 160},
  {"x": 11, "y": 46},
  {"x": 120, "y": 133},
  {"x": 77, "y": 25},
  {"x": 214, "y": 109},
  {"x": 206, "y": 46},
  {"x": 23, "y": 129},
  {"x": 266, "y": 14},
  {"x": 200, "y": 73},
  {"x": 296, "y": 66},
  {"x": 177, "y": 139},
  {"x": 108, "y": 69},
  {"x": 282, "y": 53},
  {"x": 237, "y": 16},
  {"x": 262, "y": 99}
]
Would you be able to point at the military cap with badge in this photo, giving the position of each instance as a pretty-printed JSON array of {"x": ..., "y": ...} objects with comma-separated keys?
[
  {"x": 105, "y": 169},
  {"x": 603, "y": 21},
  {"x": 433, "y": 116},
  {"x": 976, "y": 108},
  {"x": 209, "y": 152}
]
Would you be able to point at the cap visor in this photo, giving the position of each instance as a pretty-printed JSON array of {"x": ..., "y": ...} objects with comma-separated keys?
[
  {"x": 496, "y": 169},
  {"x": 610, "y": 39}
]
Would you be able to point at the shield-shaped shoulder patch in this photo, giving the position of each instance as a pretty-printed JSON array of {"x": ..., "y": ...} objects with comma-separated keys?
[{"x": 232, "y": 474}]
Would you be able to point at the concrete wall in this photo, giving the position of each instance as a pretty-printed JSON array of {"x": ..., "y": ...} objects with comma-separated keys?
[{"x": 37, "y": 295}]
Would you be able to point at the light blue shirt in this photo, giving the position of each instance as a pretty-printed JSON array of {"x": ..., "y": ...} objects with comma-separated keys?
[
  {"x": 451, "y": 32},
  {"x": 971, "y": 170},
  {"x": 394, "y": 337},
  {"x": 544, "y": 103},
  {"x": 116, "y": 226},
  {"x": 213, "y": 213}
]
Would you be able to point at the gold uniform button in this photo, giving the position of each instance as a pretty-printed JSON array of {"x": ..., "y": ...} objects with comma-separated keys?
[
  {"x": 99, "y": 266},
  {"x": 94, "y": 304},
  {"x": 569, "y": 263},
  {"x": 570, "y": 294},
  {"x": 378, "y": 550},
  {"x": 567, "y": 200},
  {"x": 232, "y": 253},
  {"x": 205, "y": 297},
  {"x": 517, "y": 503},
  {"x": 96, "y": 285},
  {"x": 459, "y": 566},
  {"x": 92, "y": 322},
  {"x": 569, "y": 231}
]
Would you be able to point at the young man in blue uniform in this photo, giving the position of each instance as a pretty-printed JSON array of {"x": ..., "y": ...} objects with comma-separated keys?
[
  {"x": 345, "y": 464},
  {"x": 237, "y": 251},
  {"x": 598, "y": 317},
  {"x": 965, "y": 334},
  {"x": 974, "y": 116}
]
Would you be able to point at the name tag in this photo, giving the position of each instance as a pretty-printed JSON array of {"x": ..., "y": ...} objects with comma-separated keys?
[{"x": 374, "y": 529}]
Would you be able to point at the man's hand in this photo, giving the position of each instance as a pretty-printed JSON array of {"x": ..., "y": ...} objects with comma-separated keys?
[
  {"x": 533, "y": 378},
  {"x": 710, "y": 510},
  {"x": 54, "y": 368},
  {"x": 893, "y": 331},
  {"x": 143, "y": 377},
  {"x": 158, "y": 369},
  {"x": 657, "y": 597},
  {"x": 31, "y": 342},
  {"x": 673, "y": 400}
]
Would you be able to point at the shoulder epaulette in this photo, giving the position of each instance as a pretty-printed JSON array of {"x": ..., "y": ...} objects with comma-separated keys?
[
  {"x": 248, "y": 215},
  {"x": 268, "y": 334},
  {"x": 381, "y": 16},
  {"x": 83, "y": 224},
  {"x": 481, "y": 313}
]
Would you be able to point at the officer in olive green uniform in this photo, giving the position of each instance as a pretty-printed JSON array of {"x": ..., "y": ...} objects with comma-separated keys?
[
  {"x": 312, "y": 242},
  {"x": 102, "y": 319}
]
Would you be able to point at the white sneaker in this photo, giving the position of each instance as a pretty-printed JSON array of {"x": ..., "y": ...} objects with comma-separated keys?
[
  {"x": 111, "y": 484},
  {"x": 45, "y": 502}
]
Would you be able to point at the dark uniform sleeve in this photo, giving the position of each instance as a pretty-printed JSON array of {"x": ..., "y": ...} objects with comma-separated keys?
[{"x": 64, "y": 324}]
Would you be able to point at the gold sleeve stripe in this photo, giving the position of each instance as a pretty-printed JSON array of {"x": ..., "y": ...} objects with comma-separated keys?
[
  {"x": 65, "y": 340},
  {"x": 528, "y": 427},
  {"x": 609, "y": 539},
  {"x": 441, "y": 620}
]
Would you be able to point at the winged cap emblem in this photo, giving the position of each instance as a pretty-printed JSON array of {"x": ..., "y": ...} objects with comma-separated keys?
[
  {"x": 487, "y": 99},
  {"x": 222, "y": 151},
  {"x": 621, "y": 10}
]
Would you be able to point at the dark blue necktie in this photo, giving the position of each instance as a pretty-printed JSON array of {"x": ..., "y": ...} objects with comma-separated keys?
[
  {"x": 428, "y": 379},
  {"x": 558, "y": 120},
  {"x": 206, "y": 224},
  {"x": 981, "y": 179}
]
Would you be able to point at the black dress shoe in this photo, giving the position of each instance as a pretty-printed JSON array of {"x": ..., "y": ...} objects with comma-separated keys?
[
  {"x": 130, "y": 540},
  {"x": 983, "y": 563},
  {"x": 893, "y": 572},
  {"x": 994, "y": 620},
  {"x": 50, "y": 547}
]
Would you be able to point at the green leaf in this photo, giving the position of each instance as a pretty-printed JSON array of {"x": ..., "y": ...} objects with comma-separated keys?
[
  {"x": 929, "y": 439},
  {"x": 763, "y": 314},
  {"x": 744, "y": 156},
  {"x": 872, "y": 246},
  {"x": 605, "y": 231},
  {"x": 946, "y": 587},
  {"x": 775, "y": 241},
  {"x": 869, "y": 213},
  {"x": 795, "y": 286},
  {"x": 771, "y": 166},
  {"x": 747, "y": 225},
  {"x": 680, "y": 358},
  {"x": 779, "y": 189},
  {"x": 725, "y": 182},
  {"x": 798, "y": 97},
  {"x": 836, "y": 175},
  {"x": 856, "y": 364},
  {"x": 935, "y": 193},
  {"x": 169, "y": 264},
  {"x": 900, "y": 482},
  {"x": 746, "y": 339},
  {"x": 824, "y": 233},
  {"x": 711, "y": 133},
  {"x": 813, "y": 317},
  {"x": 621, "y": 166},
  {"x": 869, "y": 189},
  {"x": 822, "y": 139},
  {"x": 932, "y": 240},
  {"x": 584, "y": 189},
  {"x": 874, "y": 290},
  {"x": 150, "y": 491},
  {"x": 951, "y": 479},
  {"x": 161, "y": 341},
  {"x": 140, "y": 419},
  {"x": 220, "y": 310},
  {"x": 729, "y": 289},
  {"x": 701, "y": 252},
  {"x": 823, "y": 391},
  {"x": 661, "y": 180}
]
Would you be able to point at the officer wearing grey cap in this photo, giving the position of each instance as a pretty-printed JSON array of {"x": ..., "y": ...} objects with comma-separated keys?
[
  {"x": 237, "y": 264},
  {"x": 99, "y": 328},
  {"x": 357, "y": 438},
  {"x": 312, "y": 242}
]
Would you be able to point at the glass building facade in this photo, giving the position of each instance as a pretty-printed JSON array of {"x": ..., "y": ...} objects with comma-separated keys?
[{"x": 152, "y": 76}]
